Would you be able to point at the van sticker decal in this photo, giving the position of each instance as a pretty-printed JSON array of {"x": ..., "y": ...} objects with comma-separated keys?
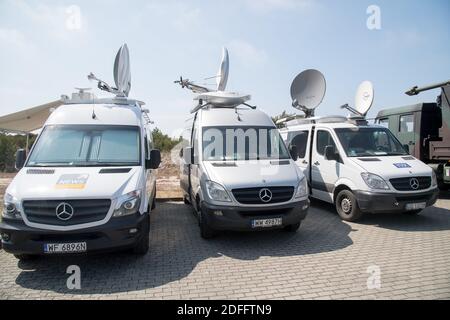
[
  {"x": 402, "y": 165},
  {"x": 72, "y": 181}
]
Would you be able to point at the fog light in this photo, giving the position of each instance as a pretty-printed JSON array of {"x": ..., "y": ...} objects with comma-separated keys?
[
  {"x": 133, "y": 231},
  {"x": 396, "y": 204},
  {"x": 218, "y": 213},
  {"x": 5, "y": 236}
]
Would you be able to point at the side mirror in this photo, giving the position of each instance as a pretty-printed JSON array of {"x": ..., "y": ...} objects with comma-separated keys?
[
  {"x": 294, "y": 152},
  {"x": 187, "y": 155},
  {"x": 154, "y": 161},
  {"x": 406, "y": 147},
  {"x": 21, "y": 156},
  {"x": 330, "y": 153}
]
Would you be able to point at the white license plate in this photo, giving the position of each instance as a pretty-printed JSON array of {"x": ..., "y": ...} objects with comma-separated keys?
[
  {"x": 266, "y": 223},
  {"x": 74, "y": 247},
  {"x": 415, "y": 206}
]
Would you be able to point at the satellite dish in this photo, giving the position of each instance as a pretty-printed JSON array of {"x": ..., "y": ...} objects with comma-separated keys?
[
  {"x": 308, "y": 90},
  {"x": 122, "y": 72},
  {"x": 222, "y": 75},
  {"x": 364, "y": 97}
]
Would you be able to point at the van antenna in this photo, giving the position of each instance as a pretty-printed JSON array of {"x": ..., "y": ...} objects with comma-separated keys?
[
  {"x": 122, "y": 75},
  {"x": 217, "y": 97},
  {"x": 307, "y": 91},
  {"x": 363, "y": 99}
]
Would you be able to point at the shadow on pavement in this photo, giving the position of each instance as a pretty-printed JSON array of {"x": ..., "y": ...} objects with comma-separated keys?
[{"x": 176, "y": 250}]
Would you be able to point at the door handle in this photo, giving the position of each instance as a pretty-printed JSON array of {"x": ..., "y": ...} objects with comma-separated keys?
[
  {"x": 317, "y": 163},
  {"x": 305, "y": 162}
]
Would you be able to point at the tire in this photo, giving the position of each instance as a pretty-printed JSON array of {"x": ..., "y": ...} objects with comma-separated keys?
[
  {"x": 25, "y": 257},
  {"x": 185, "y": 200},
  {"x": 206, "y": 232},
  {"x": 142, "y": 247},
  {"x": 293, "y": 227},
  {"x": 412, "y": 212},
  {"x": 347, "y": 206}
]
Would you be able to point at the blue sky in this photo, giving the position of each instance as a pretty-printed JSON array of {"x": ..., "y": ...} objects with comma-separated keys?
[{"x": 270, "y": 41}]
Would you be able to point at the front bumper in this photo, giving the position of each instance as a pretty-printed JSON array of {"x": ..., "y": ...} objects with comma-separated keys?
[
  {"x": 377, "y": 202},
  {"x": 240, "y": 218},
  {"x": 115, "y": 234}
]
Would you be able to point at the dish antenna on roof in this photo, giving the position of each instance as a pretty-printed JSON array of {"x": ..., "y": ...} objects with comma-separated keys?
[
  {"x": 308, "y": 90},
  {"x": 122, "y": 74},
  {"x": 363, "y": 99},
  {"x": 222, "y": 75},
  {"x": 218, "y": 98}
]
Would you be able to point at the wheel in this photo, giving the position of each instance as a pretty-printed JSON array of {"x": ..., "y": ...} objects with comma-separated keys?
[
  {"x": 347, "y": 206},
  {"x": 141, "y": 248},
  {"x": 293, "y": 227},
  {"x": 25, "y": 257},
  {"x": 185, "y": 200},
  {"x": 412, "y": 212},
  {"x": 206, "y": 232}
]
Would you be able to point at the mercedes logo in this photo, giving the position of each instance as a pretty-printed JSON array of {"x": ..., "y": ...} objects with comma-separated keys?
[
  {"x": 414, "y": 183},
  {"x": 64, "y": 211},
  {"x": 265, "y": 195}
]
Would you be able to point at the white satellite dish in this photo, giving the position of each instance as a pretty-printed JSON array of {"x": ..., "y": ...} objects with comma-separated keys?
[
  {"x": 222, "y": 75},
  {"x": 122, "y": 72},
  {"x": 364, "y": 97},
  {"x": 308, "y": 90}
]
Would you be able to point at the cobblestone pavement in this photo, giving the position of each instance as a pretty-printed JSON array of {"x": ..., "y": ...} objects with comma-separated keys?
[{"x": 326, "y": 259}]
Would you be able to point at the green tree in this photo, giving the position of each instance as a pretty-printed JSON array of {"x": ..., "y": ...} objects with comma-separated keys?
[{"x": 162, "y": 141}]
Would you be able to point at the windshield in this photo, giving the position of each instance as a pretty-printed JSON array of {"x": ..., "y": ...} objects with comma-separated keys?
[
  {"x": 363, "y": 142},
  {"x": 242, "y": 143},
  {"x": 86, "y": 145}
]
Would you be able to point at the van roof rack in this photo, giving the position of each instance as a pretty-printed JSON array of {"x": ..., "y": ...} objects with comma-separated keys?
[
  {"x": 216, "y": 98},
  {"x": 356, "y": 120}
]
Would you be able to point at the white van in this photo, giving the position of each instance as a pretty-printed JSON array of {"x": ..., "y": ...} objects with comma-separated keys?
[
  {"x": 358, "y": 167},
  {"x": 235, "y": 169},
  {"x": 89, "y": 182}
]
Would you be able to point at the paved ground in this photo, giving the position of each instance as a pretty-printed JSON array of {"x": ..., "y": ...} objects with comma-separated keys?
[{"x": 326, "y": 259}]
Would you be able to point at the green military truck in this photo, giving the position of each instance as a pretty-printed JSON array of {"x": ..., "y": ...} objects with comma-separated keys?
[{"x": 424, "y": 129}]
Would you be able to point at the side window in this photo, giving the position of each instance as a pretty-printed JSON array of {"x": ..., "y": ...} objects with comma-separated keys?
[
  {"x": 407, "y": 123},
  {"x": 300, "y": 140},
  {"x": 384, "y": 122},
  {"x": 323, "y": 139}
]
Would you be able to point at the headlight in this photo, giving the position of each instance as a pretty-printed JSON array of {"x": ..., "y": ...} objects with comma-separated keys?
[
  {"x": 216, "y": 192},
  {"x": 374, "y": 181},
  {"x": 302, "y": 189},
  {"x": 433, "y": 178},
  {"x": 11, "y": 208},
  {"x": 128, "y": 204}
]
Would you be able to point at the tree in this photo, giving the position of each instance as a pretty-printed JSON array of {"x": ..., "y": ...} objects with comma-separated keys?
[{"x": 162, "y": 141}]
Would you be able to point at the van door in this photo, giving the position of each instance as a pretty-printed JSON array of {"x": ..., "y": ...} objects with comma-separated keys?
[
  {"x": 301, "y": 140},
  {"x": 324, "y": 173},
  {"x": 194, "y": 178}
]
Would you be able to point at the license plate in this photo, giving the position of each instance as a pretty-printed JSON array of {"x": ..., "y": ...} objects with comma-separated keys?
[
  {"x": 266, "y": 223},
  {"x": 415, "y": 206},
  {"x": 74, "y": 247}
]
